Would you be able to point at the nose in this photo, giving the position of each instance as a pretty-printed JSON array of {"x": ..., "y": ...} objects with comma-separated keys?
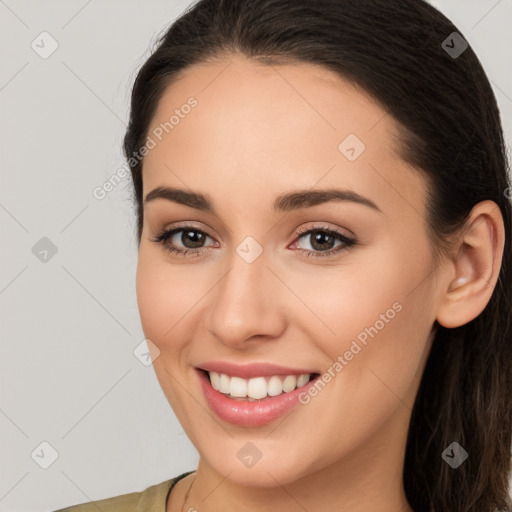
[{"x": 247, "y": 304}]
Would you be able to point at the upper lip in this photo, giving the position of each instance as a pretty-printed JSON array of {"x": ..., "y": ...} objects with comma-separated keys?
[{"x": 247, "y": 371}]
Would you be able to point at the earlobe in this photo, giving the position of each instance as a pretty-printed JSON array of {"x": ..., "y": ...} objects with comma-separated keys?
[{"x": 475, "y": 269}]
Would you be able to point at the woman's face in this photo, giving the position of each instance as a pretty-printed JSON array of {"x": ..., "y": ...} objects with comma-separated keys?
[{"x": 262, "y": 143}]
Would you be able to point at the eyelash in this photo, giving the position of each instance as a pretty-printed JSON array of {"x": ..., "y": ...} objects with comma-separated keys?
[{"x": 348, "y": 242}]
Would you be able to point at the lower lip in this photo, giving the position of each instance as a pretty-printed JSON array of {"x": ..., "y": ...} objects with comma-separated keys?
[{"x": 250, "y": 414}]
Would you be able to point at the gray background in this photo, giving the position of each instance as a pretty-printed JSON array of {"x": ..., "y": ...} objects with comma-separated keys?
[{"x": 69, "y": 325}]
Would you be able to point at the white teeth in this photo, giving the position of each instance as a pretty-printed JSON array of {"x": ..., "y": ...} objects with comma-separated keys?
[
  {"x": 257, "y": 387},
  {"x": 215, "y": 380},
  {"x": 302, "y": 380},
  {"x": 238, "y": 387},
  {"x": 224, "y": 384},
  {"x": 290, "y": 383},
  {"x": 274, "y": 386}
]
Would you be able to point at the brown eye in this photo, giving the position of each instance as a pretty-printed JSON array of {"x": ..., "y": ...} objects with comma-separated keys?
[
  {"x": 323, "y": 241},
  {"x": 182, "y": 240}
]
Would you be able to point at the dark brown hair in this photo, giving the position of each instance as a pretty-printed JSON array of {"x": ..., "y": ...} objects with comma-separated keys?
[{"x": 451, "y": 132}]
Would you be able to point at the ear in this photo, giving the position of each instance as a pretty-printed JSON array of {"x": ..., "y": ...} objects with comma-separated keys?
[{"x": 474, "y": 268}]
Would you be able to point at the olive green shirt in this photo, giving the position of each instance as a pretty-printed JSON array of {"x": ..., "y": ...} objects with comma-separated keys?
[{"x": 152, "y": 499}]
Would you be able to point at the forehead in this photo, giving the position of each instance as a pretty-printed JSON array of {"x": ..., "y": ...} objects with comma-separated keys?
[{"x": 267, "y": 128}]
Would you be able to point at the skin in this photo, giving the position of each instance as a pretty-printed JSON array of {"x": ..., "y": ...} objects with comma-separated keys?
[{"x": 258, "y": 132}]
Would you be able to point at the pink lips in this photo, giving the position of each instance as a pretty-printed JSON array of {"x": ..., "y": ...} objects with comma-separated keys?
[{"x": 250, "y": 414}]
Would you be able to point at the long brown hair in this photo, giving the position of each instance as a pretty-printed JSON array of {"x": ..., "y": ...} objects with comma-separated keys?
[{"x": 451, "y": 131}]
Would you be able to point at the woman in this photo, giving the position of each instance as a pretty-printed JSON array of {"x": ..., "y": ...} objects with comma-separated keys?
[{"x": 324, "y": 276}]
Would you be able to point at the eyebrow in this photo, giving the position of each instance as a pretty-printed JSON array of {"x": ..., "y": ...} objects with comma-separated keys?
[{"x": 284, "y": 203}]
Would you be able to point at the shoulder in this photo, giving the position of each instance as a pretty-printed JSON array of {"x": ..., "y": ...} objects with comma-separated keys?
[
  {"x": 124, "y": 502},
  {"x": 151, "y": 499}
]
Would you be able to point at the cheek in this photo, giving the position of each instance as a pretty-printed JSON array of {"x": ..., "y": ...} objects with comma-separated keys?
[
  {"x": 163, "y": 302},
  {"x": 374, "y": 288},
  {"x": 163, "y": 299},
  {"x": 376, "y": 313}
]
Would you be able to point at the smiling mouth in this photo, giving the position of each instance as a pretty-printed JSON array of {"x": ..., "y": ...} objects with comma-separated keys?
[{"x": 256, "y": 388}]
